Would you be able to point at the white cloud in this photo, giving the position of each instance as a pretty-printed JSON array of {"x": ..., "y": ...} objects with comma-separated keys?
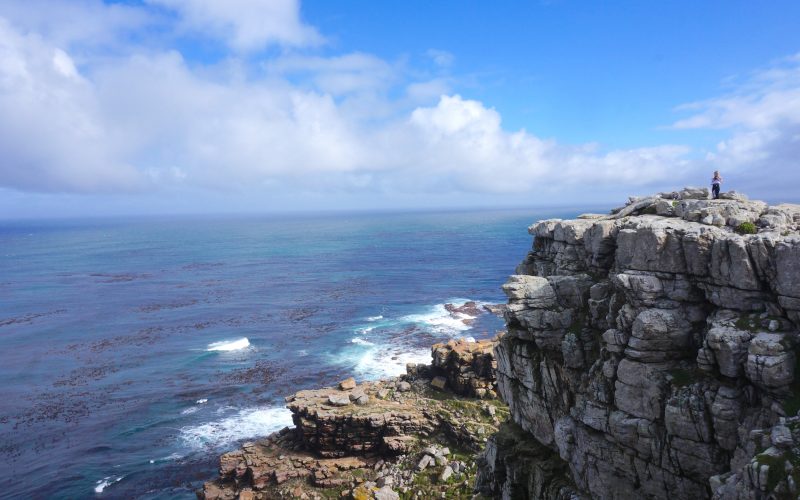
[
  {"x": 151, "y": 121},
  {"x": 86, "y": 22},
  {"x": 463, "y": 141},
  {"x": 245, "y": 25},
  {"x": 51, "y": 133},
  {"x": 441, "y": 58},
  {"x": 338, "y": 75},
  {"x": 763, "y": 115}
]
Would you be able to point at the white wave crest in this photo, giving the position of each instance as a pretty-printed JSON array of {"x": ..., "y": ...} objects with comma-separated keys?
[
  {"x": 106, "y": 482},
  {"x": 440, "y": 320},
  {"x": 246, "y": 424},
  {"x": 381, "y": 363},
  {"x": 359, "y": 341},
  {"x": 375, "y": 318},
  {"x": 229, "y": 345},
  {"x": 168, "y": 458}
]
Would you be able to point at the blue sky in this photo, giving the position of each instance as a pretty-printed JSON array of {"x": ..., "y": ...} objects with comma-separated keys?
[{"x": 194, "y": 106}]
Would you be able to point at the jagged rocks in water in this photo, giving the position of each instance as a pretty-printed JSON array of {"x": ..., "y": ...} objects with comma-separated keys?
[{"x": 646, "y": 347}]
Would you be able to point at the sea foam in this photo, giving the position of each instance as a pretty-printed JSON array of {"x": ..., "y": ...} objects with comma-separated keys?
[
  {"x": 245, "y": 424},
  {"x": 439, "y": 320},
  {"x": 229, "y": 345},
  {"x": 106, "y": 482},
  {"x": 360, "y": 341}
]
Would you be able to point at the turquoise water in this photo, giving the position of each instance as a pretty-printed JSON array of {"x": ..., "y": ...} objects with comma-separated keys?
[{"x": 136, "y": 350}]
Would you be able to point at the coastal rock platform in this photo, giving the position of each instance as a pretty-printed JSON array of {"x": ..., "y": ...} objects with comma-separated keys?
[{"x": 409, "y": 437}]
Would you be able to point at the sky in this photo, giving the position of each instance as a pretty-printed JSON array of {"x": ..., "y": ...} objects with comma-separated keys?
[{"x": 146, "y": 107}]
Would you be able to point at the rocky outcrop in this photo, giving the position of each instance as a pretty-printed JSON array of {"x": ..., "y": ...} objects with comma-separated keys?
[
  {"x": 466, "y": 368},
  {"x": 408, "y": 436},
  {"x": 645, "y": 347}
]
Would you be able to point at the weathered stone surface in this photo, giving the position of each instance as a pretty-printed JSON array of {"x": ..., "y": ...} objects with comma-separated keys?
[
  {"x": 347, "y": 384},
  {"x": 439, "y": 382},
  {"x": 466, "y": 367},
  {"x": 369, "y": 449},
  {"x": 645, "y": 348}
]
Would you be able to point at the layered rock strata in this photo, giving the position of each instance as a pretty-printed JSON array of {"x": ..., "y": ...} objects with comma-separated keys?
[
  {"x": 645, "y": 346},
  {"x": 396, "y": 438},
  {"x": 467, "y": 368}
]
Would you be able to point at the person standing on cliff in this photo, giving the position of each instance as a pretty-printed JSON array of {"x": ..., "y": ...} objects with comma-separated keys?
[{"x": 715, "y": 182}]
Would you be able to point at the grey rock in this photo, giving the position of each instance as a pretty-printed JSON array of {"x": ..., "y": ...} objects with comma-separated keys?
[
  {"x": 634, "y": 350},
  {"x": 424, "y": 462},
  {"x": 447, "y": 472},
  {"x": 339, "y": 399},
  {"x": 386, "y": 493}
]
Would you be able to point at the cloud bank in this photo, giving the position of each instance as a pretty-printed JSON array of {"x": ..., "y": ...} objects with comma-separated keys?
[{"x": 79, "y": 118}]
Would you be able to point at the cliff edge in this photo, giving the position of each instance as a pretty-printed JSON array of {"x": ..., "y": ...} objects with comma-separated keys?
[{"x": 652, "y": 353}]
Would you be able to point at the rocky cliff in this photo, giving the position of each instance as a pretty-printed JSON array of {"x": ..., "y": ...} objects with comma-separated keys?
[{"x": 651, "y": 353}]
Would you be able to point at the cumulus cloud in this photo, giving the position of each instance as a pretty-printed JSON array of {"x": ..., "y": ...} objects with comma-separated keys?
[
  {"x": 245, "y": 25},
  {"x": 51, "y": 131},
  {"x": 150, "y": 120},
  {"x": 146, "y": 119},
  {"x": 763, "y": 116},
  {"x": 462, "y": 140}
]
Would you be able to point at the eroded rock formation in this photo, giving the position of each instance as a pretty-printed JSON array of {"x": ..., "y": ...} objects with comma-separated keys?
[
  {"x": 645, "y": 349},
  {"x": 411, "y": 437}
]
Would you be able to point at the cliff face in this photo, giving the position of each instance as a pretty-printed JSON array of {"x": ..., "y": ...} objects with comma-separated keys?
[{"x": 651, "y": 353}]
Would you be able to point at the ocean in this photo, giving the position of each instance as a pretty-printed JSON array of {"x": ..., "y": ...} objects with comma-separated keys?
[{"x": 135, "y": 351}]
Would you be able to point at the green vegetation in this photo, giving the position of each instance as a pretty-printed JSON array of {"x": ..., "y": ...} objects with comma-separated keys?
[
  {"x": 777, "y": 472},
  {"x": 577, "y": 325},
  {"x": 650, "y": 210},
  {"x": 776, "y": 469},
  {"x": 675, "y": 203},
  {"x": 749, "y": 323},
  {"x": 746, "y": 228},
  {"x": 792, "y": 403},
  {"x": 681, "y": 377}
]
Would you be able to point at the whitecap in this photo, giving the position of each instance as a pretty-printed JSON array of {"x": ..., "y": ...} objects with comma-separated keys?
[
  {"x": 246, "y": 424},
  {"x": 168, "y": 458},
  {"x": 105, "y": 483},
  {"x": 189, "y": 410},
  {"x": 201, "y": 401},
  {"x": 375, "y": 318},
  {"x": 359, "y": 341},
  {"x": 229, "y": 345},
  {"x": 364, "y": 331},
  {"x": 440, "y": 320},
  {"x": 378, "y": 363}
]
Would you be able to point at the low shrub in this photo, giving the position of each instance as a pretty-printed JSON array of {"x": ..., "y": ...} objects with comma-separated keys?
[{"x": 746, "y": 228}]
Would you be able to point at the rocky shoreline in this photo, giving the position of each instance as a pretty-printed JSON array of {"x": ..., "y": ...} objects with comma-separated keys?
[
  {"x": 651, "y": 352},
  {"x": 415, "y": 436}
]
